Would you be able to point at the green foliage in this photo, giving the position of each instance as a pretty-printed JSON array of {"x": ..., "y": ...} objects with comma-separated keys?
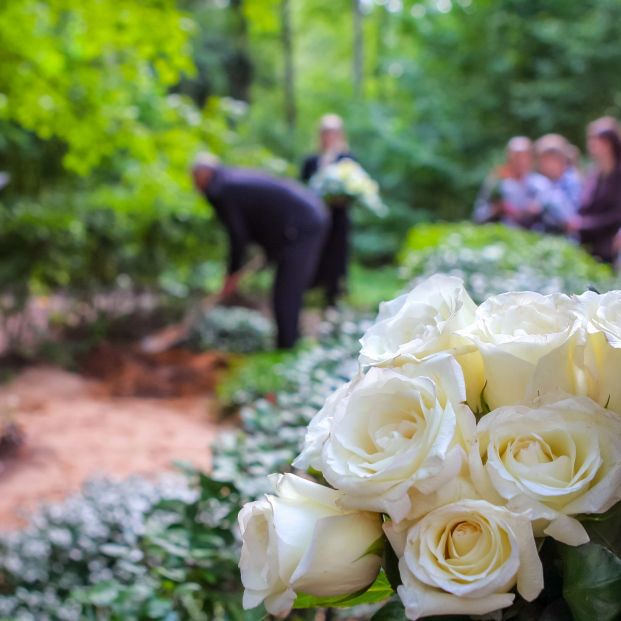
[
  {"x": 370, "y": 286},
  {"x": 233, "y": 329},
  {"x": 92, "y": 76},
  {"x": 89, "y": 539},
  {"x": 254, "y": 376},
  {"x": 376, "y": 241},
  {"x": 132, "y": 550},
  {"x": 605, "y": 528},
  {"x": 592, "y": 582},
  {"x": 74, "y": 242},
  {"x": 493, "y": 258},
  {"x": 391, "y": 611}
]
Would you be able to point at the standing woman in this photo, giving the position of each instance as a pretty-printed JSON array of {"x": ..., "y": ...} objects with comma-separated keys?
[
  {"x": 599, "y": 217},
  {"x": 331, "y": 273}
]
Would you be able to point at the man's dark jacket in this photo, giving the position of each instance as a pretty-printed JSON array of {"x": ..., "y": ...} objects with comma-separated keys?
[{"x": 257, "y": 208}]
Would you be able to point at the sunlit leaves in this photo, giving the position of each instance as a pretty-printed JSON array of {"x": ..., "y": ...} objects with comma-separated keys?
[{"x": 93, "y": 74}]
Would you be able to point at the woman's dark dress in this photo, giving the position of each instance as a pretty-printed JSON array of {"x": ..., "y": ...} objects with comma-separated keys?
[
  {"x": 331, "y": 272},
  {"x": 601, "y": 215}
]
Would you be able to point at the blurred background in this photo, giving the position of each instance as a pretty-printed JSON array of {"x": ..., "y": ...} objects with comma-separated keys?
[{"x": 103, "y": 107}]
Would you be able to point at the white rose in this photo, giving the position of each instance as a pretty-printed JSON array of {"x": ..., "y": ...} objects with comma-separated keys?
[
  {"x": 422, "y": 323},
  {"x": 464, "y": 558},
  {"x": 301, "y": 542},
  {"x": 392, "y": 430},
  {"x": 603, "y": 353},
  {"x": 555, "y": 460},
  {"x": 530, "y": 344}
]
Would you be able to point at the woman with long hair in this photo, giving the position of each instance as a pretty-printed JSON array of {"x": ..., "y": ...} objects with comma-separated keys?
[{"x": 599, "y": 217}]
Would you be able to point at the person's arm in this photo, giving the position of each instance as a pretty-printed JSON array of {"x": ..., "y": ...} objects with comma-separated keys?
[
  {"x": 488, "y": 206},
  {"x": 238, "y": 238},
  {"x": 600, "y": 221},
  {"x": 232, "y": 219}
]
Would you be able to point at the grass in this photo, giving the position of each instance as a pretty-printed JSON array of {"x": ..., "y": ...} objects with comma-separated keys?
[
  {"x": 370, "y": 286},
  {"x": 252, "y": 376}
]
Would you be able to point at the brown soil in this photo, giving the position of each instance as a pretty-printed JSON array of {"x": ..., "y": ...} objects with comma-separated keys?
[
  {"x": 172, "y": 373},
  {"x": 76, "y": 428}
]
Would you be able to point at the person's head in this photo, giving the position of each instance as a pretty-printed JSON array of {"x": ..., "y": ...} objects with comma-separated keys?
[
  {"x": 520, "y": 156},
  {"x": 332, "y": 133},
  {"x": 604, "y": 142},
  {"x": 553, "y": 153},
  {"x": 203, "y": 169}
]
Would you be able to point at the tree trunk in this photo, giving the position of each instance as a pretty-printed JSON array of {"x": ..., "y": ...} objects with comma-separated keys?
[
  {"x": 289, "y": 71},
  {"x": 240, "y": 68},
  {"x": 358, "y": 65},
  {"x": 381, "y": 26}
]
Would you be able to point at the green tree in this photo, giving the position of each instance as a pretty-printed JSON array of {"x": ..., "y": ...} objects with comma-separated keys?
[{"x": 92, "y": 75}]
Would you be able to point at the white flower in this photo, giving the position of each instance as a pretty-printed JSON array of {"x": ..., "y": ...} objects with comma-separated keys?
[
  {"x": 301, "y": 542},
  {"x": 392, "y": 430},
  {"x": 530, "y": 344},
  {"x": 556, "y": 460},
  {"x": 464, "y": 558},
  {"x": 603, "y": 353},
  {"x": 422, "y": 323}
]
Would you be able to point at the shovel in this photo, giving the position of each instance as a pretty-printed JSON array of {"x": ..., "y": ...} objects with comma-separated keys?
[{"x": 173, "y": 335}]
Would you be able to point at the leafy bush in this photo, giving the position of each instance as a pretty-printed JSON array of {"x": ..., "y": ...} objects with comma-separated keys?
[
  {"x": 376, "y": 240},
  {"x": 493, "y": 259},
  {"x": 188, "y": 562},
  {"x": 233, "y": 329},
  {"x": 69, "y": 240},
  {"x": 254, "y": 376},
  {"x": 85, "y": 541}
]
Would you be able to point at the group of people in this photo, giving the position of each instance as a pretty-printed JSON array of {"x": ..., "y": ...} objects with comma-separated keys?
[
  {"x": 306, "y": 238},
  {"x": 541, "y": 187}
]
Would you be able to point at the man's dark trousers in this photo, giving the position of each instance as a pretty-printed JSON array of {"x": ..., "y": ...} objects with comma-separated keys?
[{"x": 295, "y": 268}]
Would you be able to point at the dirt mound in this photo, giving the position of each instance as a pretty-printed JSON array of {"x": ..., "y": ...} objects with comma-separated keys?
[{"x": 173, "y": 373}]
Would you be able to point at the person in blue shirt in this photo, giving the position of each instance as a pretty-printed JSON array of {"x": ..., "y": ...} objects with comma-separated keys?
[
  {"x": 514, "y": 194},
  {"x": 554, "y": 160}
]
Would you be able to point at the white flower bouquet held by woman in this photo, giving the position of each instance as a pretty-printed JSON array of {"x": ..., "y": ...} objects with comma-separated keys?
[
  {"x": 346, "y": 179},
  {"x": 472, "y": 468}
]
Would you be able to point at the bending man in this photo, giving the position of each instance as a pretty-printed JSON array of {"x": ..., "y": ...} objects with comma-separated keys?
[{"x": 282, "y": 217}]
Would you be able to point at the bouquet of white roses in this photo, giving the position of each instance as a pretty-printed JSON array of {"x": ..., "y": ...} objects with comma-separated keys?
[
  {"x": 347, "y": 179},
  {"x": 477, "y": 451}
]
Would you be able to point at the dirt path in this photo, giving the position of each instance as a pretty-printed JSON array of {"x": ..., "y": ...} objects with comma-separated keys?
[{"x": 75, "y": 430}]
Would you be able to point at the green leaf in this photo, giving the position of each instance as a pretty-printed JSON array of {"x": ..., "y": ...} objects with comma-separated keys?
[
  {"x": 390, "y": 563},
  {"x": 484, "y": 406},
  {"x": 605, "y": 529},
  {"x": 104, "y": 593},
  {"x": 376, "y": 548},
  {"x": 592, "y": 582},
  {"x": 377, "y": 592},
  {"x": 391, "y": 611}
]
